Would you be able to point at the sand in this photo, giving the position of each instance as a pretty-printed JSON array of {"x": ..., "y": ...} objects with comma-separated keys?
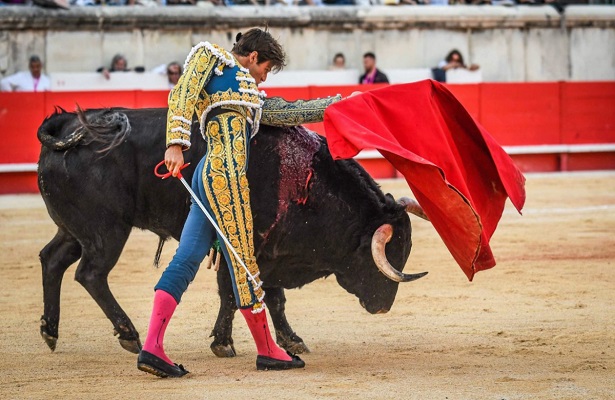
[{"x": 540, "y": 325}]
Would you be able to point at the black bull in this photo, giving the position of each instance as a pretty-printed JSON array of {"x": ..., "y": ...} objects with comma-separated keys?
[{"x": 313, "y": 216}]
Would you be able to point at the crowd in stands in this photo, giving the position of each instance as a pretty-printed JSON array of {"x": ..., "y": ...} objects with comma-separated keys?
[
  {"x": 68, "y": 3},
  {"x": 34, "y": 80}
]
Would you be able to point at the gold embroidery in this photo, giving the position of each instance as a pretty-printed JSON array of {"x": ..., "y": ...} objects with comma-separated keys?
[
  {"x": 184, "y": 99},
  {"x": 279, "y": 112},
  {"x": 189, "y": 96},
  {"x": 226, "y": 189}
]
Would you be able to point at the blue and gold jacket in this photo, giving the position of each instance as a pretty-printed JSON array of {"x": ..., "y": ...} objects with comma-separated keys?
[{"x": 214, "y": 78}]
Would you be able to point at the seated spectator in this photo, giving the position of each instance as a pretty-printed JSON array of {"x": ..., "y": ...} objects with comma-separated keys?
[
  {"x": 172, "y": 71},
  {"x": 372, "y": 74},
  {"x": 118, "y": 64},
  {"x": 27, "y": 81},
  {"x": 339, "y": 62},
  {"x": 453, "y": 60}
]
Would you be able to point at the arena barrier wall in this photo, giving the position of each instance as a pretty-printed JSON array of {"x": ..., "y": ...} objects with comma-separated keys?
[{"x": 553, "y": 126}]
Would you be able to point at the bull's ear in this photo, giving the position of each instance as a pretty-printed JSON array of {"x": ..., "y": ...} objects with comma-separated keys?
[{"x": 390, "y": 202}]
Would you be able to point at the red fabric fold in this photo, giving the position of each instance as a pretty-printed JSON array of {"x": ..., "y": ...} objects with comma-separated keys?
[{"x": 456, "y": 170}]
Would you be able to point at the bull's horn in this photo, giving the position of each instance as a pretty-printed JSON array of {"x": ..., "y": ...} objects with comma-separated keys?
[
  {"x": 381, "y": 237},
  {"x": 413, "y": 207}
]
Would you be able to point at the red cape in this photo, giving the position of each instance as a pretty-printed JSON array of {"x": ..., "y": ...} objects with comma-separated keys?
[{"x": 456, "y": 170}]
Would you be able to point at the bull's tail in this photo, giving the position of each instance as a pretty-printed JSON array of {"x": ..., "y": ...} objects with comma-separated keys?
[
  {"x": 108, "y": 128},
  {"x": 51, "y": 125}
]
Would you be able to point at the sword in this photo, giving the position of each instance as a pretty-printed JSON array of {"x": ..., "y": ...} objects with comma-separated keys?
[{"x": 209, "y": 217}]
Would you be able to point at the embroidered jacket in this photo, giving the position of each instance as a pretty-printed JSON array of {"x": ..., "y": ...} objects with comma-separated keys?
[{"x": 212, "y": 78}]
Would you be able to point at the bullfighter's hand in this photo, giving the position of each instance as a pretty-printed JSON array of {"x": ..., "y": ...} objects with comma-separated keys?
[{"x": 174, "y": 158}]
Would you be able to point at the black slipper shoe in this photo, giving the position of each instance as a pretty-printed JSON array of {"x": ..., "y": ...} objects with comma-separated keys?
[
  {"x": 264, "y": 363},
  {"x": 157, "y": 366}
]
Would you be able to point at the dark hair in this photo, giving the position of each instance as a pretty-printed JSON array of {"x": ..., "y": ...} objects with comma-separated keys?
[
  {"x": 174, "y": 64},
  {"x": 370, "y": 55},
  {"x": 264, "y": 44},
  {"x": 449, "y": 56},
  {"x": 117, "y": 58},
  {"x": 339, "y": 55},
  {"x": 34, "y": 59}
]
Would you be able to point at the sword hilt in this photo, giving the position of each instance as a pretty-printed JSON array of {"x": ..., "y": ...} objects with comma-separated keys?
[{"x": 168, "y": 174}]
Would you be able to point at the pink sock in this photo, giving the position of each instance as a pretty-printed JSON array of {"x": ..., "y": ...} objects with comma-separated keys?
[
  {"x": 164, "y": 306},
  {"x": 265, "y": 345}
]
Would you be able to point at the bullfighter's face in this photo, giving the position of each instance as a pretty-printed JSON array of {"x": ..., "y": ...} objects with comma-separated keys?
[{"x": 259, "y": 71}]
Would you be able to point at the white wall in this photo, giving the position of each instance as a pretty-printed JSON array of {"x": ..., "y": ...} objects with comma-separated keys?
[{"x": 511, "y": 44}]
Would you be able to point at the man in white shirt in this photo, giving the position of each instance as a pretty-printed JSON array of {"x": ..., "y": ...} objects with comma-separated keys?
[{"x": 27, "y": 81}]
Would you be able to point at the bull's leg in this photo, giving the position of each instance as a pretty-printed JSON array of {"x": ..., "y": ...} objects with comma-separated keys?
[
  {"x": 97, "y": 261},
  {"x": 285, "y": 336},
  {"x": 56, "y": 257},
  {"x": 222, "y": 345}
]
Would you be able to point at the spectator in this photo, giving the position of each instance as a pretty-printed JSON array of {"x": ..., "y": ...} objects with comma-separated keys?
[
  {"x": 118, "y": 64},
  {"x": 454, "y": 60},
  {"x": 372, "y": 74},
  {"x": 174, "y": 71},
  {"x": 339, "y": 62},
  {"x": 27, "y": 81}
]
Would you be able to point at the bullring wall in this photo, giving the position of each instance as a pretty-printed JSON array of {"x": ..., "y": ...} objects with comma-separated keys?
[{"x": 552, "y": 126}]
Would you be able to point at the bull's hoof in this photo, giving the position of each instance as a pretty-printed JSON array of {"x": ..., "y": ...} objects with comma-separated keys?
[
  {"x": 133, "y": 346},
  {"x": 223, "y": 351},
  {"x": 129, "y": 341},
  {"x": 293, "y": 343},
  {"x": 47, "y": 337},
  {"x": 50, "y": 340}
]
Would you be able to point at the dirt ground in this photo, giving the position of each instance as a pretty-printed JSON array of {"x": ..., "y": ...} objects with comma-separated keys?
[{"x": 540, "y": 325}]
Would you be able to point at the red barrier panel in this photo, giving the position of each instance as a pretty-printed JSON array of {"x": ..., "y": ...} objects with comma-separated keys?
[
  {"x": 588, "y": 112},
  {"x": 18, "y": 182},
  {"x": 69, "y": 100},
  {"x": 469, "y": 96},
  {"x": 521, "y": 114},
  {"x": 151, "y": 99},
  {"x": 344, "y": 91},
  {"x": 20, "y": 116},
  {"x": 515, "y": 113},
  {"x": 290, "y": 93}
]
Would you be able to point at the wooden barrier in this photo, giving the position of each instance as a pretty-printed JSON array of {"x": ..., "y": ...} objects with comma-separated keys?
[{"x": 554, "y": 126}]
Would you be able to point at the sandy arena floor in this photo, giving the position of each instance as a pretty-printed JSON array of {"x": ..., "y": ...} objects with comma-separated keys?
[{"x": 540, "y": 325}]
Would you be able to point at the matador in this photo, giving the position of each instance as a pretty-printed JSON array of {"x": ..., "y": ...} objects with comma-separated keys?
[{"x": 221, "y": 88}]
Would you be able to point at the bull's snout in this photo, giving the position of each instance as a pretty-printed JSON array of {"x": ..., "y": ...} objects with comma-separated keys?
[{"x": 379, "y": 311}]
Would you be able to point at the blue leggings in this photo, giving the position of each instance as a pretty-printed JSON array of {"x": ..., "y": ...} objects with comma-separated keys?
[
  {"x": 220, "y": 182},
  {"x": 197, "y": 237}
]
